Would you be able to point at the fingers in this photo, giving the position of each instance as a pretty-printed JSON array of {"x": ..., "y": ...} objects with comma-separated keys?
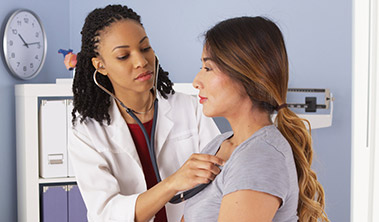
[
  {"x": 198, "y": 169},
  {"x": 208, "y": 158},
  {"x": 206, "y": 175},
  {"x": 205, "y": 165},
  {"x": 201, "y": 180}
]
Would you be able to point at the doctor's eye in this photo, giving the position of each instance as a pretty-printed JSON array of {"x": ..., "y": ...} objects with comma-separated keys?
[
  {"x": 123, "y": 57},
  {"x": 146, "y": 49}
]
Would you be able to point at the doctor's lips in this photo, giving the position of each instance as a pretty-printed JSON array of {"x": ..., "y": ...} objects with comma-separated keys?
[
  {"x": 144, "y": 76},
  {"x": 202, "y": 99}
]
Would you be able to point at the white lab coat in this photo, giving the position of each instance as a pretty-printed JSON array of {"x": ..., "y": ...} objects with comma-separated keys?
[{"x": 106, "y": 164}]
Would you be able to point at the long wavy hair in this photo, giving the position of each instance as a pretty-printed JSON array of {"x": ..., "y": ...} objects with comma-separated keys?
[
  {"x": 251, "y": 51},
  {"x": 89, "y": 100}
]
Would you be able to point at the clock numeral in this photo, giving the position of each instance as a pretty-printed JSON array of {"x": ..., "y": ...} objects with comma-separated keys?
[
  {"x": 13, "y": 55},
  {"x": 24, "y": 68},
  {"x": 38, "y": 46},
  {"x": 19, "y": 23},
  {"x": 14, "y": 31},
  {"x": 26, "y": 20},
  {"x": 31, "y": 65},
  {"x": 10, "y": 42},
  {"x": 37, "y": 34},
  {"x": 18, "y": 64},
  {"x": 36, "y": 57},
  {"x": 33, "y": 24}
]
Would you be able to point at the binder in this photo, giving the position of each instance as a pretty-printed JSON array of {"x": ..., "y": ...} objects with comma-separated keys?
[
  {"x": 54, "y": 203},
  {"x": 77, "y": 211},
  {"x": 69, "y": 108},
  {"x": 53, "y": 138}
]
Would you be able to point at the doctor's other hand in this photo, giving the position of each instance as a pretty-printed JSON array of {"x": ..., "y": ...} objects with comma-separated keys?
[{"x": 198, "y": 169}]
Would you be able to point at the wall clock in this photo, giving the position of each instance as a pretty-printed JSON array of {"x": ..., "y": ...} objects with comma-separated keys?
[{"x": 24, "y": 44}]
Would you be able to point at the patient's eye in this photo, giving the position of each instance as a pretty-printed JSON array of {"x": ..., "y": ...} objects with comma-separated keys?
[{"x": 207, "y": 69}]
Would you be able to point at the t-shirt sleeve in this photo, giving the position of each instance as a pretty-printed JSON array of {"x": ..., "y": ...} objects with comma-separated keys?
[{"x": 259, "y": 167}]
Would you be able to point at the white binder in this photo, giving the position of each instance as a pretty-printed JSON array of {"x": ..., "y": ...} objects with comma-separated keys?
[
  {"x": 69, "y": 107},
  {"x": 53, "y": 138}
]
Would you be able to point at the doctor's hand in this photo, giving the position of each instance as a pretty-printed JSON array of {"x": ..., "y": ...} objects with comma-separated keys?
[{"x": 198, "y": 169}]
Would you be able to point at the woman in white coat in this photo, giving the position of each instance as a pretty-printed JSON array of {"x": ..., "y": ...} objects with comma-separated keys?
[{"x": 108, "y": 150}]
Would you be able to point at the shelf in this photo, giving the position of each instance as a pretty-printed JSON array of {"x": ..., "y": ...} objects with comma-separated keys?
[{"x": 57, "y": 180}]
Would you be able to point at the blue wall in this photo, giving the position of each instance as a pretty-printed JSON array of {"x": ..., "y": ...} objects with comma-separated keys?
[
  {"x": 54, "y": 16},
  {"x": 318, "y": 36}
]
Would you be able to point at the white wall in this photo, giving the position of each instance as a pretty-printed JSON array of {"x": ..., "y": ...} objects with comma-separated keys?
[{"x": 54, "y": 15}]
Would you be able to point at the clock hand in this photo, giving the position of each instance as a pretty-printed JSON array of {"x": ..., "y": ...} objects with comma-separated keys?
[
  {"x": 33, "y": 43},
  {"x": 25, "y": 44}
]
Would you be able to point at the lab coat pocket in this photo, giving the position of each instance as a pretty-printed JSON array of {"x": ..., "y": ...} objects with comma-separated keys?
[{"x": 185, "y": 145}]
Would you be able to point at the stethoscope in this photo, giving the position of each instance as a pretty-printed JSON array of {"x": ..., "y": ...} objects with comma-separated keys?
[{"x": 150, "y": 142}]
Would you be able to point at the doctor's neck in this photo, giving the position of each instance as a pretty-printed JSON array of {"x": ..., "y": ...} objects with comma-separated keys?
[{"x": 141, "y": 104}]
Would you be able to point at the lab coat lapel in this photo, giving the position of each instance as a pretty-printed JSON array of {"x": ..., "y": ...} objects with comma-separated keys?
[
  {"x": 120, "y": 134},
  {"x": 164, "y": 124}
]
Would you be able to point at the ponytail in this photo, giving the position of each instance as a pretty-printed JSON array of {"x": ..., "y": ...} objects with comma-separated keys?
[{"x": 311, "y": 205}]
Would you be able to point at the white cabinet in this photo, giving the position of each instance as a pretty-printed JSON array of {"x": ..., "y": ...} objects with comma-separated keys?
[{"x": 27, "y": 143}]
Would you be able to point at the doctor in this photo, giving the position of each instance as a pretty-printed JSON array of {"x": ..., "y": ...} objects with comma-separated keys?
[{"x": 108, "y": 150}]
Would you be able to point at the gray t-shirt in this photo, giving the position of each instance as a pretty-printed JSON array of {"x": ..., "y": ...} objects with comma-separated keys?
[{"x": 264, "y": 163}]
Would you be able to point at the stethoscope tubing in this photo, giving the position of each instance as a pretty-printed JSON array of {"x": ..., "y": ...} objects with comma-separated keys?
[{"x": 150, "y": 143}]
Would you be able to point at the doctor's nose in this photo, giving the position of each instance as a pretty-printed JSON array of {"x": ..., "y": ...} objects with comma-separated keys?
[{"x": 140, "y": 61}]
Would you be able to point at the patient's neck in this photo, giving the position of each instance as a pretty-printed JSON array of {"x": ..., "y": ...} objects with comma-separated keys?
[{"x": 245, "y": 124}]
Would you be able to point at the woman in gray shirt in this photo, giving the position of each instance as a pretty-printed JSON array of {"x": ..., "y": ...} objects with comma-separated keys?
[{"x": 267, "y": 175}]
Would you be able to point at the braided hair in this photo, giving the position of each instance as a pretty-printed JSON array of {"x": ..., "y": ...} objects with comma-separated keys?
[{"x": 89, "y": 100}]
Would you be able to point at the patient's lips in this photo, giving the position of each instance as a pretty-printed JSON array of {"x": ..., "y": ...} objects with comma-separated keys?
[{"x": 202, "y": 99}]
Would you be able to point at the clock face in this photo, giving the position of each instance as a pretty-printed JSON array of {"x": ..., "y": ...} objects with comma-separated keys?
[{"x": 24, "y": 44}]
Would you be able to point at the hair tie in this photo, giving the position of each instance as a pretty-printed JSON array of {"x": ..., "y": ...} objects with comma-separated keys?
[{"x": 284, "y": 105}]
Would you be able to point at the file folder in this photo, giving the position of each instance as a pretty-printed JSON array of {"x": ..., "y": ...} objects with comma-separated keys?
[
  {"x": 77, "y": 211},
  {"x": 54, "y": 203}
]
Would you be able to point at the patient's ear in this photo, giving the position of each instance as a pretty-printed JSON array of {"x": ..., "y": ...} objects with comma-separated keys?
[{"x": 99, "y": 65}]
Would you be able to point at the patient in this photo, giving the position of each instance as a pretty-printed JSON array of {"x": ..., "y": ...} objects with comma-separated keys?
[{"x": 267, "y": 175}]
